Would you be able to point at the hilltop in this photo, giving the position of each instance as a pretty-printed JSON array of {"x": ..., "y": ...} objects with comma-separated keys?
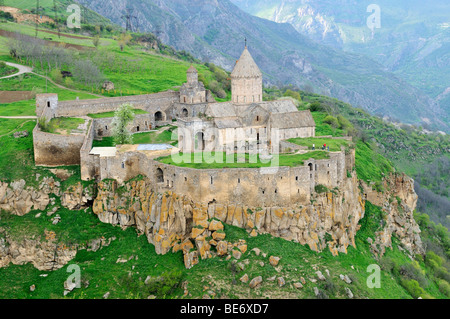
[
  {"x": 121, "y": 264},
  {"x": 215, "y": 31}
]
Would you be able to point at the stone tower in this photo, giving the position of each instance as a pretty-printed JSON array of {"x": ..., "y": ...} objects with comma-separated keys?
[
  {"x": 193, "y": 91},
  {"x": 192, "y": 76},
  {"x": 246, "y": 80}
]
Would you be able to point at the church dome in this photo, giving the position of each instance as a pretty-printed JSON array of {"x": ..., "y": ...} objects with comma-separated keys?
[
  {"x": 246, "y": 67},
  {"x": 192, "y": 69}
]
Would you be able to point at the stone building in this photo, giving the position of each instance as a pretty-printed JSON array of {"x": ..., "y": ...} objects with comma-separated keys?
[
  {"x": 193, "y": 91},
  {"x": 246, "y": 80},
  {"x": 246, "y": 124}
]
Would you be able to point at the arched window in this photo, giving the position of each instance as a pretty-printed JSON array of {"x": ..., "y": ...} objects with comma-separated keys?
[
  {"x": 185, "y": 113},
  {"x": 159, "y": 175}
]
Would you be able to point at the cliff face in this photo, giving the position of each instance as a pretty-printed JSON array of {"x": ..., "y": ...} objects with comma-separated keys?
[
  {"x": 398, "y": 202},
  {"x": 167, "y": 219},
  {"x": 173, "y": 222},
  {"x": 44, "y": 253}
]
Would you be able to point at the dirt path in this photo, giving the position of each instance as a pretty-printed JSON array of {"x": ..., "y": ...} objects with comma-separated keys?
[
  {"x": 63, "y": 87},
  {"x": 18, "y": 117},
  {"x": 22, "y": 70},
  {"x": 17, "y": 128},
  {"x": 65, "y": 35}
]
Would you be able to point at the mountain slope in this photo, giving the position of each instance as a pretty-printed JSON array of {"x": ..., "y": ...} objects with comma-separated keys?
[
  {"x": 413, "y": 41},
  {"x": 215, "y": 31}
]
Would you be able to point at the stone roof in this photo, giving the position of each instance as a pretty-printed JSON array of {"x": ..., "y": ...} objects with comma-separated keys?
[
  {"x": 228, "y": 122},
  {"x": 224, "y": 109},
  {"x": 246, "y": 66},
  {"x": 292, "y": 120},
  {"x": 192, "y": 69},
  {"x": 279, "y": 106}
]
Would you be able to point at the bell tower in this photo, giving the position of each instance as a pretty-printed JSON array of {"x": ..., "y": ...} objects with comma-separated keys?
[{"x": 246, "y": 80}]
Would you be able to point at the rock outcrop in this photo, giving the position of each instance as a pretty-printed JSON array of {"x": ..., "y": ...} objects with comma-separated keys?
[
  {"x": 398, "y": 201},
  {"x": 20, "y": 199},
  {"x": 45, "y": 254},
  {"x": 167, "y": 219}
]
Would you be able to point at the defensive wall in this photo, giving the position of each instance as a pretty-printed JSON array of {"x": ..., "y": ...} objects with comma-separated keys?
[
  {"x": 250, "y": 186},
  {"x": 56, "y": 150}
]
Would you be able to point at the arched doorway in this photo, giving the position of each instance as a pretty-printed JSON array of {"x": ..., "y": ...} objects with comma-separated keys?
[
  {"x": 159, "y": 175},
  {"x": 159, "y": 116},
  {"x": 200, "y": 141}
]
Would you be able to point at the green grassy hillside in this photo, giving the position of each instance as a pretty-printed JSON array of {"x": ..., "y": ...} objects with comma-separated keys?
[{"x": 425, "y": 276}]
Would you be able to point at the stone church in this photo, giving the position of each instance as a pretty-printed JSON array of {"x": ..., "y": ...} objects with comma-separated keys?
[{"x": 244, "y": 124}]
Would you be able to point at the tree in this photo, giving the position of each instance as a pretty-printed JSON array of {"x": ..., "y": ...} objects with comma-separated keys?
[
  {"x": 294, "y": 94},
  {"x": 124, "y": 39},
  {"x": 96, "y": 40},
  {"x": 122, "y": 117}
]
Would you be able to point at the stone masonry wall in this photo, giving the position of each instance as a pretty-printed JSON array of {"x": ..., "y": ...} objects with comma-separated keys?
[
  {"x": 252, "y": 186},
  {"x": 150, "y": 102},
  {"x": 56, "y": 150}
]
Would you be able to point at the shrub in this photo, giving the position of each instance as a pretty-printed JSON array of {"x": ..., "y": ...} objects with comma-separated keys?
[
  {"x": 387, "y": 264},
  {"x": 444, "y": 287},
  {"x": 68, "y": 82},
  {"x": 321, "y": 189},
  {"x": 413, "y": 288},
  {"x": 293, "y": 94},
  {"x": 56, "y": 75},
  {"x": 217, "y": 89},
  {"x": 6, "y": 16},
  {"x": 412, "y": 271},
  {"x": 332, "y": 121},
  {"x": 433, "y": 260},
  {"x": 344, "y": 123},
  {"x": 317, "y": 107}
]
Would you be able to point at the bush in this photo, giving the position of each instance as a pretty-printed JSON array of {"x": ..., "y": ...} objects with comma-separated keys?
[
  {"x": 444, "y": 287},
  {"x": 6, "y": 16},
  {"x": 332, "y": 121},
  {"x": 217, "y": 89},
  {"x": 387, "y": 264},
  {"x": 433, "y": 260},
  {"x": 161, "y": 287},
  {"x": 56, "y": 75},
  {"x": 293, "y": 94},
  {"x": 413, "y": 288},
  {"x": 317, "y": 107},
  {"x": 412, "y": 271},
  {"x": 344, "y": 123},
  {"x": 320, "y": 189},
  {"x": 68, "y": 82}
]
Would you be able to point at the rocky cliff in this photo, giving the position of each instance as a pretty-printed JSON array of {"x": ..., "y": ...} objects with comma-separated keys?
[
  {"x": 168, "y": 219},
  {"x": 173, "y": 222},
  {"x": 398, "y": 203}
]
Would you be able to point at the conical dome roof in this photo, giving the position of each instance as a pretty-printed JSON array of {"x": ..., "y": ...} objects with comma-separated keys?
[
  {"x": 192, "y": 69},
  {"x": 246, "y": 66}
]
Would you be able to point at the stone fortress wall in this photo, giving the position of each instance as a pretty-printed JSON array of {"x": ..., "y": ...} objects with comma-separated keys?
[
  {"x": 152, "y": 103},
  {"x": 56, "y": 150},
  {"x": 264, "y": 187}
]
